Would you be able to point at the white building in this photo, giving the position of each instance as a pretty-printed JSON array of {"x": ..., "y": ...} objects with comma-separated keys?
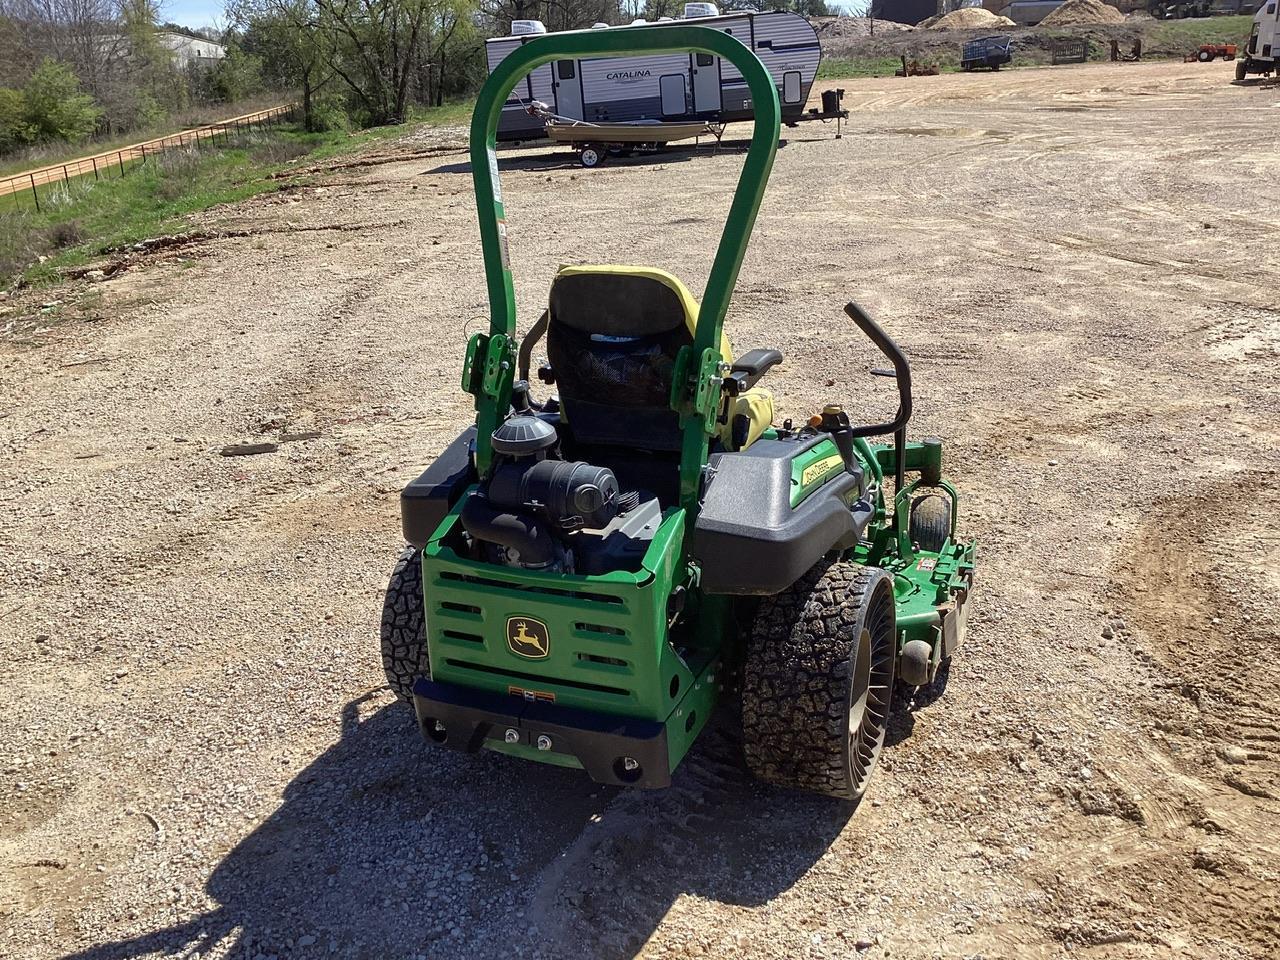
[{"x": 191, "y": 50}]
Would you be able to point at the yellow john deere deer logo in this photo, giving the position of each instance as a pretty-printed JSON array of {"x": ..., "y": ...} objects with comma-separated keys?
[{"x": 527, "y": 637}]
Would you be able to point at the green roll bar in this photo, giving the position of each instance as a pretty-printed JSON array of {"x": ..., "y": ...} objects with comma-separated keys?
[{"x": 490, "y": 364}]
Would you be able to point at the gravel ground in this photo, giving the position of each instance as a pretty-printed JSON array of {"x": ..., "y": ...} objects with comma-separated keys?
[{"x": 198, "y": 755}]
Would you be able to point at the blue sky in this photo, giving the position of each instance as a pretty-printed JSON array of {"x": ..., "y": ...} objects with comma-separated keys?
[{"x": 192, "y": 13}]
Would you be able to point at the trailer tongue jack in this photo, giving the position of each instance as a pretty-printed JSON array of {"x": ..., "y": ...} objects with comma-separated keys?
[{"x": 832, "y": 109}]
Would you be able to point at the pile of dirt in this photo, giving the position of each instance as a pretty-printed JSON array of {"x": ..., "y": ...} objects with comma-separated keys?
[
  {"x": 829, "y": 27},
  {"x": 968, "y": 18},
  {"x": 1078, "y": 12}
]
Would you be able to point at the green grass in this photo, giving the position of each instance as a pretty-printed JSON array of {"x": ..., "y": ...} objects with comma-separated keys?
[
  {"x": 848, "y": 68},
  {"x": 46, "y": 155},
  {"x": 1184, "y": 36},
  {"x": 852, "y": 68},
  {"x": 453, "y": 113},
  {"x": 79, "y": 221}
]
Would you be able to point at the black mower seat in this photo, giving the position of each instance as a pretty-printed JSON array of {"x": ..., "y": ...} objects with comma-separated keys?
[{"x": 613, "y": 333}]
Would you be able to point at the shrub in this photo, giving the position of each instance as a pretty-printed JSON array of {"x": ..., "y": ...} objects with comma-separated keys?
[
  {"x": 14, "y": 129},
  {"x": 177, "y": 170},
  {"x": 54, "y": 106},
  {"x": 235, "y": 77},
  {"x": 278, "y": 151},
  {"x": 66, "y": 234},
  {"x": 329, "y": 112}
]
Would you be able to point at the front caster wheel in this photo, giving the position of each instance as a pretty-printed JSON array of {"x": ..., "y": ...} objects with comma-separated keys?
[
  {"x": 818, "y": 681},
  {"x": 929, "y": 524}
]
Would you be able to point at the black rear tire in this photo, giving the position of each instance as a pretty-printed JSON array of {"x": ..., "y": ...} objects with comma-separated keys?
[
  {"x": 404, "y": 634},
  {"x": 1240, "y": 70},
  {"x": 818, "y": 681},
  {"x": 930, "y": 523}
]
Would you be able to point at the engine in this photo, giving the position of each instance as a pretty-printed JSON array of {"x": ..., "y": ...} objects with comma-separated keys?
[{"x": 532, "y": 504}]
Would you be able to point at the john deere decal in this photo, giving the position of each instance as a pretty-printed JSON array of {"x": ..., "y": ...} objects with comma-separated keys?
[{"x": 528, "y": 638}]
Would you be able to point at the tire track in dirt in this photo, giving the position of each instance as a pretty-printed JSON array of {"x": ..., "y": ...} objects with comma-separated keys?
[{"x": 1201, "y": 598}]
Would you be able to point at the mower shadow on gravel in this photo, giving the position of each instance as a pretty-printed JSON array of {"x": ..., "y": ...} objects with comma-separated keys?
[
  {"x": 382, "y": 847},
  {"x": 902, "y": 717}
]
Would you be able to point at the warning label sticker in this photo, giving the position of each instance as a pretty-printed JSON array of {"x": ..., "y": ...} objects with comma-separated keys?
[{"x": 502, "y": 245}]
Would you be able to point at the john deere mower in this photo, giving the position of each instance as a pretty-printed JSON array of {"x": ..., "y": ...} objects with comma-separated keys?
[{"x": 590, "y": 573}]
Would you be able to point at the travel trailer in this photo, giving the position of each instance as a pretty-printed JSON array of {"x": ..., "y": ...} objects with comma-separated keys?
[{"x": 663, "y": 87}]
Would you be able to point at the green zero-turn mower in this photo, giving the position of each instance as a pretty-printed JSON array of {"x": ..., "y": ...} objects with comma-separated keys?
[{"x": 588, "y": 576}]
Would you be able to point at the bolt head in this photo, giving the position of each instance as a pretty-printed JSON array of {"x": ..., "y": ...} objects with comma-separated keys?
[
  {"x": 544, "y": 742},
  {"x": 512, "y": 735},
  {"x": 630, "y": 763}
]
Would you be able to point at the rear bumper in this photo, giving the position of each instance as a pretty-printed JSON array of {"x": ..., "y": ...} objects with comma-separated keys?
[{"x": 601, "y": 744}]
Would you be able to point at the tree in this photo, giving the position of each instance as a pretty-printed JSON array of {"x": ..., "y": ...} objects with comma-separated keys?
[
  {"x": 55, "y": 107},
  {"x": 236, "y": 76},
  {"x": 806, "y": 8},
  {"x": 15, "y": 131},
  {"x": 286, "y": 35},
  {"x": 449, "y": 51},
  {"x": 559, "y": 14},
  {"x": 373, "y": 49},
  {"x": 80, "y": 33},
  {"x": 151, "y": 84}
]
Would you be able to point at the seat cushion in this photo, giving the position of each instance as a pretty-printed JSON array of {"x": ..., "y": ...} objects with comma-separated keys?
[{"x": 613, "y": 335}]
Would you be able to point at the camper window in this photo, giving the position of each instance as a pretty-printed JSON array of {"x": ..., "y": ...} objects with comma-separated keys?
[
  {"x": 565, "y": 69},
  {"x": 703, "y": 59},
  {"x": 791, "y": 86}
]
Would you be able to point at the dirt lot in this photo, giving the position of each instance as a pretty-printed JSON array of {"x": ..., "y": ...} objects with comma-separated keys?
[{"x": 197, "y": 756}]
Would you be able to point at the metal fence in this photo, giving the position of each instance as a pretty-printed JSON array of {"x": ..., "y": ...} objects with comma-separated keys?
[
  {"x": 1070, "y": 51},
  {"x": 115, "y": 162}
]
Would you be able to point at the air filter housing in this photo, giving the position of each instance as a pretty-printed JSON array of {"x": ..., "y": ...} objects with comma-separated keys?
[{"x": 524, "y": 437}]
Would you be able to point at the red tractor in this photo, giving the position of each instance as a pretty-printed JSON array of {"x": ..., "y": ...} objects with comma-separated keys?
[{"x": 1212, "y": 51}]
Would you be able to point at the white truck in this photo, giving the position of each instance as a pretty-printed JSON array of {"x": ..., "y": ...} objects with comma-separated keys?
[{"x": 1263, "y": 48}]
